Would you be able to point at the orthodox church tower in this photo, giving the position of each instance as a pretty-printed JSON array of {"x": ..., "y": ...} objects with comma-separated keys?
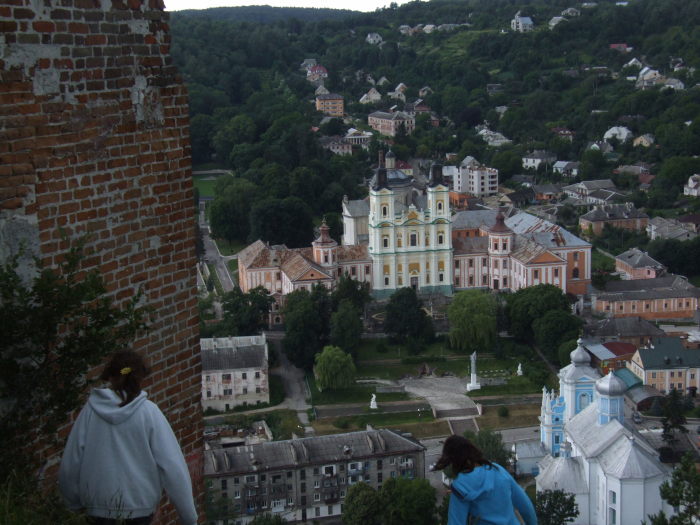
[{"x": 325, "y": 249}]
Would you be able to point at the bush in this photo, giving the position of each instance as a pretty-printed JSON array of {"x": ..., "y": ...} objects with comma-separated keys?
[
  {"x": 503, "y": 411},
  {"x": 211, "y": 411},
  {"x": 342, "y": 423}
]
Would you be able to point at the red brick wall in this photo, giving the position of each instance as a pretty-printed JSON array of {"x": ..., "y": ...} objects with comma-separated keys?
[{"x": 94, "y": 139}]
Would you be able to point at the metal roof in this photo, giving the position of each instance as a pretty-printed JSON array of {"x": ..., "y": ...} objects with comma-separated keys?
[
  {"x": 567, "y": 474},
  {"x": 232, "y": 358}
]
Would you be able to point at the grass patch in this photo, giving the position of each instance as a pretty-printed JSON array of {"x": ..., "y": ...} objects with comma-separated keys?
[
  {"x": 515, "y": 385},
  {"x": 422, "y": 427},
  {"x": 229, "y": 248},
  {"x": 380, "y": 349},
  {"x": 518, "y": 416},
  {"x": 601, "y": 262},
  {"x": 355, "y": 394},
  {"x": 215, "y": 278},
  {"x": 459, "y": 367},
  {"x": 205, "y": 184},
  {"x": 233, "y": 266},
  {"x": 281, "y": 422}
]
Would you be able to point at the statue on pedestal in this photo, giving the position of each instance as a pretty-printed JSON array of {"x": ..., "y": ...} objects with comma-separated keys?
[
  {"x": 474, "y": 380},
  {"x": 520, "y": 369},
  {"x": 373, "y": 402}
]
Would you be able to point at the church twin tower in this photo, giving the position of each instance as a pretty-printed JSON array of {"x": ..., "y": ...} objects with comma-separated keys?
[{"x": 410, "y": 241}]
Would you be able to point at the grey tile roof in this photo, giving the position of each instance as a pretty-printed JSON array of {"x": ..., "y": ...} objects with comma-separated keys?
[
  {"x": 567, "y": 474},
  {"x": 669, "y": 286},
  {"x": 544, "y": 232},
  {"x": 622, "y": 327},
  {"x": 232, "y": 358},
  {"x": 358, "y": 208},
  {"x": 637, "y": 258},
  {"x": 614, "y": 211},
  {"x": 468, "y": 220},
  {"x": 667, "y": 353},
  {"x": 317, "y": 450}
]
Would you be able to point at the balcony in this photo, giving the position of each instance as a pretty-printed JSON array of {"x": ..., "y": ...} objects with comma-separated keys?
[{"x": 355, "y": 468}]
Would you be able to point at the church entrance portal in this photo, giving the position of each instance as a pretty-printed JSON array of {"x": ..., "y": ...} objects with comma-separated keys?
[{"x": 414, "y": 283}]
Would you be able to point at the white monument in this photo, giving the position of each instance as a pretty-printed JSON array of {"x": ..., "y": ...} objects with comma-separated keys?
[
  {"x": 373, "y": 402},
  {"x": 520, "y": 369},
  {"x": 474, "y": 381}
]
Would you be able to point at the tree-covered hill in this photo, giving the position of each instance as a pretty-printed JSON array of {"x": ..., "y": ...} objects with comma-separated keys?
[
  {"x": 252, "y": 108},
  {"x": 264, "y": 14}
]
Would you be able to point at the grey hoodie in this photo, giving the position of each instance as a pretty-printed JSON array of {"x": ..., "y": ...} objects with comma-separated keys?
[{"x": 118, "y": 460}]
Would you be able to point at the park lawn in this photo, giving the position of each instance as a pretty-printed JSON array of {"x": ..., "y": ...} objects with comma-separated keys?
[
  {"x": 356, "y": 394},
  {"x": 229, "y": 248},
  {"x": 421, "y": 427},
  {"x": 518, "y": 416},
  {"x": 205, "y": 184},
  {"x": 459, "y": 367},
  {"x": 515, "y": 385},
  {"x": 368, "y": 350}
]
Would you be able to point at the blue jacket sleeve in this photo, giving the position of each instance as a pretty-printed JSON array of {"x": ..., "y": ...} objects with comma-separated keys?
[
  {"x": 522, "y": 503},
  {"x": 71, "y": 461},
  {"x": 458, "y": 511},
  {"x": 173, "y": 470}
]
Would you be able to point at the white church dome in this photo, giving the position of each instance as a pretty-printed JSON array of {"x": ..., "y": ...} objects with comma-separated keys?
[{"x": 610, "y": 385}]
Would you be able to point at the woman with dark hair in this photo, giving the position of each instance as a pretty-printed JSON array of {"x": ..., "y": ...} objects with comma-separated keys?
[
  {"x": 482, "y": 492},
  {"x": 121, "y": 453}
]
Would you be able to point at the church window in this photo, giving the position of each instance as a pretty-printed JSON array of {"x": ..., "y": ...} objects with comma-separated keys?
[
  {"x": 386, "y": 281},
  {"x": 495, "y": 245},
  {"x": 439, "y": 205},
  {"x": 575, "y": 256},
  {"x": 441, "y": 238},
  {"x": 505, "y": 282},
  {"x": 574, "y": 273},
  {"x": 612, "y": 496},
  {"x": 484, "y": 261},
  {"x": 427, "y": 278},
  {"x": 400, "y": 280},
  {"x": 385, "y": 211},
  {"x": 427, "y": 239},
  {"x": 556, "y": 439},
  {"x": 399, "y": 241},
  {"x": 440, "y": 277},
  {"x": 325, "y": 258},
  {"x": 536, "y": 274},
  {"x": 504, "y": 245},
  {"x": 613, "y": 516},
  {"x": 385, "y": 242},
  {"x": 485, "y": 280},
  {"x": 471, "y": 280},
  {"x": 505, "y": 264},
  {"x": 353, "y": 271},
  {"x": 414, "y": 239},
  {"x": 279, "y": 275},
  {"x": 583, "y": 401},
  {"x": 471, "y": 263},
  {"x": 556, "y": 272},
  {"x": 367, "y": 269},
  {"x": 457, "y": 265}
]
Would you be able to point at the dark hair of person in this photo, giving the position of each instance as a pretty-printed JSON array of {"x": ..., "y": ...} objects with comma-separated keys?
[
  {"x": 461, "y": 455},
  {"x": 125, "y": 371}
]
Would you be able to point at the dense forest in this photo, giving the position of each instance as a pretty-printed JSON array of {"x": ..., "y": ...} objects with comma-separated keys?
[{"x": 252, "y": 107}]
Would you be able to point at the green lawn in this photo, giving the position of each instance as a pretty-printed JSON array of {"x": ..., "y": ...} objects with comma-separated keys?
[
  {"x": 355, "y": 394},
  {"x": 205, "y": 184},
  {"x": 602, "y": 262},
  {"x": 373, "y": 349},
  {"x": 229, "y": 248},
  {"x": 422, "y": 426},
  {"x": 518, "y": 416},
  {"x": 460, "y": 367},
  {"x": 215, "y": 278}
]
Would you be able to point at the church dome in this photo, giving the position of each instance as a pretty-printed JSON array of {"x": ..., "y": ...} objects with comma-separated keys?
[
  {"x": 610, "y": 385},
  {"x": 579, "y": 357},
  {"x": 390, "y": 155}
]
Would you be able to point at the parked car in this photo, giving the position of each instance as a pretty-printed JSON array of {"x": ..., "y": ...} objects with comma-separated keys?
[{"x": 636, "y": 418}]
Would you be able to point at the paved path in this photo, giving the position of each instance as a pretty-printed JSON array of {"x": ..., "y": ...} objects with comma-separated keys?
[{"x": 356, "y": 409}]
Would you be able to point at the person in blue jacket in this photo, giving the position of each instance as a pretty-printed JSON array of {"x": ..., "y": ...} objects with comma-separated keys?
[
  {"x": 482, "y": 492},
  {"x": 121, "y": 453}
]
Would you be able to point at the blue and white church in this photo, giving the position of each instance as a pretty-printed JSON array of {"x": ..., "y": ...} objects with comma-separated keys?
[{"x": 593, "y": 452}]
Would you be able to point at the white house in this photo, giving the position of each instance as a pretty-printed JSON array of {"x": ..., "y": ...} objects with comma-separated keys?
[
  {"x": 477, "y": 180},
  {"x": 234, "y": 372},
  {"x": 374, "y": 38},
  {"x": 534, "y": 159},
  {"x": 620, "y": 133},
  {"x": 521, "y": 24},
  {"x": 692, "y": 187},
  {"x": 371, "y": 97}
]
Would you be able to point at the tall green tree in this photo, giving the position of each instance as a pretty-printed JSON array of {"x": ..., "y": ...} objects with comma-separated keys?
[
  {"x": 555, "y": 507},
  {"x": 554, "y": 328},
  {"x": 405, "y": 317},
  {"x": 673, "y": 416},
  {"x": 245, "y": 313},
  {"x": 56, "y": 326},
  {"x": 472, "y": 315},
  {"x": 362, "y": 506},
  {"x": 533, "y": 302},
  {"x": 232, "y": 204},
  {"x": 682, "y": 492},
  {"x": 353, "y": 290},
  {"x": 491, "y": 444},
  {"x": 306, "y": 320},
  {"x": 334, "y": 369},
  {"x": 346, "y": 326},
  {"x": 407, "y": 501},
  {"x": 282, "y": 221}
]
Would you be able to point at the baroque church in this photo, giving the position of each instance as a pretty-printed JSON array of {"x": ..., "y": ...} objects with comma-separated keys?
[
  {"x": 594, "y": 452},
  {"x": 404, "y": 234}
]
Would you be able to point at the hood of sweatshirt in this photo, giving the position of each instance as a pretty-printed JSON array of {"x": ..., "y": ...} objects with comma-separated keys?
[
  {"x": 105, "y": 402},
  {"x": 477, "y": 482}
]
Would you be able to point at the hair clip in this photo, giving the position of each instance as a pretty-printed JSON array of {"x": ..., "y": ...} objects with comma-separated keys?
[{"x": 124, "y": 371}]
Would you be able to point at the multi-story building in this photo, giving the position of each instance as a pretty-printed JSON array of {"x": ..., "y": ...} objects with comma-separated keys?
[
  {"x": 583, "y": 190},
  {"x": 624, "y": 216},
  {"x": 522, "y": 24},
  {"x": 477, "y": 180},
  {"x": 535, "y": 159},
  {"x": 692, "y": 187},
  {"x": 637, "y": 264},
  {"x": 666, "y": 364},
  {"x": 308, "y": 478},
  {"x": 667, "y": 297},
  {"x": 389, "y": 124},
  {"x": 234, "y": 372},
  {"x": 331, "y": 104},
  {"x": 634, "y": 330}
]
